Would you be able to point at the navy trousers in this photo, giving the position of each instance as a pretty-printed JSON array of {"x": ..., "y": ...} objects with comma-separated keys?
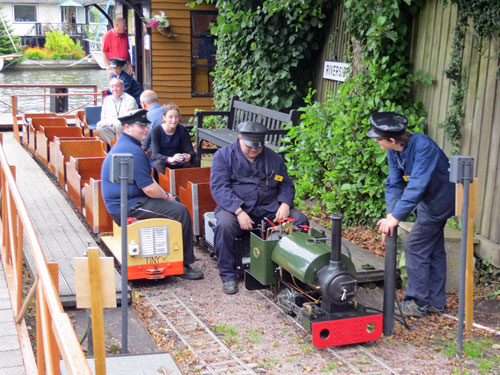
[
  {"x": 425, "y": 259},
  {"x": 228, "y": 228},
  {"x": 166, "y": 209}
]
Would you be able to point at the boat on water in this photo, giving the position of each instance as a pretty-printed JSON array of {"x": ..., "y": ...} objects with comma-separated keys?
[{"x": 99, "y": 58}]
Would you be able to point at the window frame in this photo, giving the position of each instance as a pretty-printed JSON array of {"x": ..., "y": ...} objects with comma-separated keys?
[
  {"x": 24, "y": 5},
  {"x": 210, "y": 65}
]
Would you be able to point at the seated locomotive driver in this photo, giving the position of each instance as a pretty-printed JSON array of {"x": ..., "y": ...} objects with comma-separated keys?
[
  {"x": 146, "y": 199},
  {"x": 248, "y": 182}
]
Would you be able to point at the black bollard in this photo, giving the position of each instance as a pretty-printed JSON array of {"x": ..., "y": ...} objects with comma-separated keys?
[{"x": 391, "y": 245}]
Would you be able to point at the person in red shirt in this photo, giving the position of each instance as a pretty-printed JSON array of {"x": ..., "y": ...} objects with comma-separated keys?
[{"x": 115, "y": 44}]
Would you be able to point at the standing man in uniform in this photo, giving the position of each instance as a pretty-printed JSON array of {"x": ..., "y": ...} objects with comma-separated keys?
[
  {"x": 114, "y": 106},
  {"x": 115, "y": 44},
  {"x": 146, "y": 199},
  {"x": 248, "y": 182},
  {"x": 130, "y": 85},
  {"x": 418, "y": 180}
]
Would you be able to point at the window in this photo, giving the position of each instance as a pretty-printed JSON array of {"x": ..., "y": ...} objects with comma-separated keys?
[
  {"x": 202, "y": 52},
  {"x": 24, "y": 13}
]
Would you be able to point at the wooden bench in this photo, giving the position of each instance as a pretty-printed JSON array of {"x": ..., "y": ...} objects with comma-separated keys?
[
  {"x": 36, "y": 123},
  {"x": 46, "y": 134},
  {"x": 25, "y": 120},
  {"x": 239, "y": 112},
  {"x": 198, "y": 199},
  {"x": 79, "y": 171},
  {"x": 173, "y": 179},
  {"x": 63, "y": 148},
  {"x": 96, "y": 213}
]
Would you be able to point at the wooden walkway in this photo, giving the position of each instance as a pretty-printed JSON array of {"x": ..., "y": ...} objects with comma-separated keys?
[
  {"x": 60, "y": 231},
  {"x": 11, "y": 358}
]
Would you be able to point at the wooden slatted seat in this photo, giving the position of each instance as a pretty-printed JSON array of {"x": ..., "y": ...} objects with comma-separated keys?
[
  {"x": 62, "y": 149},
  {"x": 175, "y": 178},
  {"x": 239, "y": 112},
  {"x": 46, "y": 134},
  {"x": 35, "y": 125},
  {"x": 96, "y": 213},
  {"x": 79, "y": 171},
  {"x": 25, "y": 119},
  {"x": 198, "y": 199}
]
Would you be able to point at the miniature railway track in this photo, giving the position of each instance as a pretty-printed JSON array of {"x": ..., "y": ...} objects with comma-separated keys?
[
  {"x": 356, "y": 357},
  {"x": 213, "y": 355}
]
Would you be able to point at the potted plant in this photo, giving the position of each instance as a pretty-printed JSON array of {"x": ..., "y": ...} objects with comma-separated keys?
[{"x": 159, "y": 22}]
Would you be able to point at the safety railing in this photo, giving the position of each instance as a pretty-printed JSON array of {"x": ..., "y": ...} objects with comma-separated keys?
[
  {"x": 55, "y": 336},
  {"x": 16, "y": 111}
]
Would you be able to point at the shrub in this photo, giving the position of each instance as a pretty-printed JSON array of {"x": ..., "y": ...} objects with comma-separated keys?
[
  {"x": 36, "y": 53},
  {"x": 61, "y": 46}
]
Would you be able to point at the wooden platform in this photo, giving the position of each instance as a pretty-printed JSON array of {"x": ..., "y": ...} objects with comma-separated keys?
[{"x": 60, "y": 231}]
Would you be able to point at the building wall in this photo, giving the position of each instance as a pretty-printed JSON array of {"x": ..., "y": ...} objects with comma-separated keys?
[
  {"x": 47, "y": 13},
  {"x": 171, "y": 58}
]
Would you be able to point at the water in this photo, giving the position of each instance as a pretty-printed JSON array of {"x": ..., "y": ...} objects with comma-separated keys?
[{"x": 97, "y": 77}]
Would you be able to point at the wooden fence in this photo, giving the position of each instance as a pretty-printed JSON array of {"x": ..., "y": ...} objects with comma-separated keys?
[{"x": 55, "y": 336}]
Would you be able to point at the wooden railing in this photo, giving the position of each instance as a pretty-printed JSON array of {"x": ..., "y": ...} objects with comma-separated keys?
[{"x": 55, "y": 336}]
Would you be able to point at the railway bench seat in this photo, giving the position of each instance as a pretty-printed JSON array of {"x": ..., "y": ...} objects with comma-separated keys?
[
  {"x": 192, "y": 187},
  {"x": 46, "y": 134},
  {"x": 91, "y": 117},
  {"x": 96, "y": 213},
  {"x": 34, "y": 126},
  {"x": 61, "y": 149},
  {"x": 79, "y": 171},
  {"x": 238, "y": 112}
]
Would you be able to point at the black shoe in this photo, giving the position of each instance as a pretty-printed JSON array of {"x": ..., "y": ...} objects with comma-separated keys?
[
  {"x": 191, "y": 273},
  {"x": 437, "y": 310},
  {"x": 230, "y": 287}
]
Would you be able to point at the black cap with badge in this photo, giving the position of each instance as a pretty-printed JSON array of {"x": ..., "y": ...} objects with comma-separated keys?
[
  {"x": 387, "y": 125},
  {"x": 252, "y": 133},
  {"x": 135, "y": 117},
  {"x": 116, "y": 62}
]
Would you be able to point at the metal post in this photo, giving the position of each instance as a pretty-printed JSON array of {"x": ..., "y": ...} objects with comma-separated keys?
[
  {"x": 122, "y": 172},
  {"x": 463, "y": 257},
  {"x": 123, "y": 221},
  {"x": 461, "y": 172},
  {"x": 391, "y": 245}
]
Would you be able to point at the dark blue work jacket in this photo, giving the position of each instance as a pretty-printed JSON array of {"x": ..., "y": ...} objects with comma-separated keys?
[
  {"x": 256, "y": 187},
  {"x": 428, "y": 188}
]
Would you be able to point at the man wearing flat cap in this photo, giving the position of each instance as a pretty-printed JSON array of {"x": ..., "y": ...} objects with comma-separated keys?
[
  {"x": 249, "y": 182},
  {"x": 146, "y": 199},
  {"x": 418, "y": 181},
  {"x": 130, "y": 85}
]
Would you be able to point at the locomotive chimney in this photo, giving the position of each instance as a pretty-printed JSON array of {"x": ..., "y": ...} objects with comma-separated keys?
[{"x": 336, "y": 237}]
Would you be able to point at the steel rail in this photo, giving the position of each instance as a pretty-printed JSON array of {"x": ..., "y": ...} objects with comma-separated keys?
[
  {"x": 331, "y": 350},
  {"x": 207, "y": 330}
]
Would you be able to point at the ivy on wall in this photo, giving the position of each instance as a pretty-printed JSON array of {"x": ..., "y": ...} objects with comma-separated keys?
[
  {"x": 266, "y": 50},
  {"x": 485, "y": 15}
]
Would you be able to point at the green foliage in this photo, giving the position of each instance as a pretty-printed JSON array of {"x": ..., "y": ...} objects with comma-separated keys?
[
  {"x": 36, "y": 53},
  {"x": 265, "y": 49},
  {"x": 62, "y": 46},
  {"x": 6, "y": 47},
  {"x": 329, "y": 157}
]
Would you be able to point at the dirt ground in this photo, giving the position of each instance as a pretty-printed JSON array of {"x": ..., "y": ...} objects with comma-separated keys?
[{"x": 250, "y": 325}]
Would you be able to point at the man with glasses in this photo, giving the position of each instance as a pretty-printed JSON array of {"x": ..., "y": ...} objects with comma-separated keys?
[
  {"x": 419, "y": 180},
  {"x": 146, "y": 199},
  {"x": 115, "y": 105},
  {"x": 249, "y": 182}
]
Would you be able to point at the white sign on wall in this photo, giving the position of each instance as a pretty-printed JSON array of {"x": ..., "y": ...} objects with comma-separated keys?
[{"x": 335, "y": 70}]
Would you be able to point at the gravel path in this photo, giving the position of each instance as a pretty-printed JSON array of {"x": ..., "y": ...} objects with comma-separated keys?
[{"x": 256, "y": 330}]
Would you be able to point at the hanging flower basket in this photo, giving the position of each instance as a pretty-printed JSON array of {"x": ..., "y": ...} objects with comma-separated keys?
[
  {"x": 159, "y": 22},
  {"x": 165, "y": 31}
]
